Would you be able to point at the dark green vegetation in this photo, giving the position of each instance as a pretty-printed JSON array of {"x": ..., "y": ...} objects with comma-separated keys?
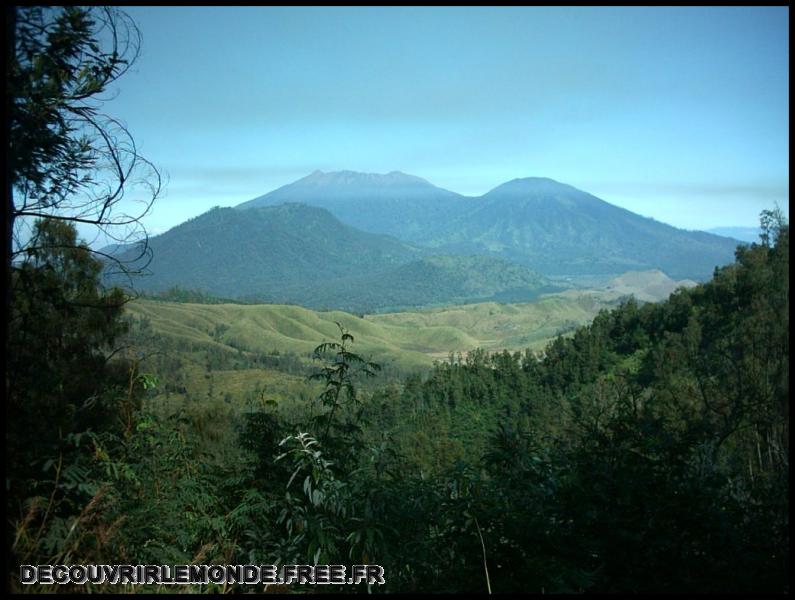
[
  {"x": 426, "y": 282},
  {"x": 293, "y": 253},
  {"x": 67, "y": 160},
  {"x": 548, "y": 226},
  {"x": 647, "y": 452}
]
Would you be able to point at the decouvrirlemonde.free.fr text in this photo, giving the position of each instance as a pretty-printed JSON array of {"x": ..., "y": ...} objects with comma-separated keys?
[{"x": 201, "y": 574}]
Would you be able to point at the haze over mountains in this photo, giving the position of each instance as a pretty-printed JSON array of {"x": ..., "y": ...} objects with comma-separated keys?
[
  {"x": 369, "y": 242},
  {"x": 396, "y": 204},
  {"x": 537, "y": 222}
]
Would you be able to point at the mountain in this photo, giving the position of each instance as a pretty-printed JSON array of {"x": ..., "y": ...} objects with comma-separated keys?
[
  {"x": 294, "y": 253},
  {"x": 258, "y": 252},
  {"x": 430, "y": 281},
  {"x": 548, "y": 226},
  {"x": 560, "y": 230},
  {"x": 452, "y": 248},
  {"x": 396, "y": 204},
  {"x": 744, "y": 234}
]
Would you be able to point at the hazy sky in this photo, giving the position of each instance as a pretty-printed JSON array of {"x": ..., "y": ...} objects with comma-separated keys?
[{"x": 681, "y": 114}]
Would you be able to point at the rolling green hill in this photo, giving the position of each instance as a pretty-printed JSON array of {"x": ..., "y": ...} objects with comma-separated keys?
[{"x": 407, "y": 340}]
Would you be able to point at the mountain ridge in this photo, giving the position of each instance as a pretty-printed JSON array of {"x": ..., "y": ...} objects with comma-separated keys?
[
  {"x": 296, "y": 253},
  {"x": 237, "y": 253},
  {"x": 500, "y": 246},
  {"x": 392, "y": 203},
  {"x": 538, "y": 222}
]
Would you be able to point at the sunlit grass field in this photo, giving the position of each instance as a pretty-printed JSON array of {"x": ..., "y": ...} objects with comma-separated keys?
[{"x": 405, "y": 340}]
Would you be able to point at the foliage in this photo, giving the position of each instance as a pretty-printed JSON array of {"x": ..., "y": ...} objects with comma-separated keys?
[
  {"x": 647, "y": 452},
  {"x": 338, "y": 373},
  {"x": 61, "y": 329},
  {"x": 70, "y": 161}
]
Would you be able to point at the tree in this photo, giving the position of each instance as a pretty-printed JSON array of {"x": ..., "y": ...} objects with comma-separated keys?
[
  {"x": 772, "y": 223},
  {"x": 338, "y": 373},
  {"x": 68, "y": 163},
  {"x": 60, "y": 331},
  {"x": 66, "y": 159}
]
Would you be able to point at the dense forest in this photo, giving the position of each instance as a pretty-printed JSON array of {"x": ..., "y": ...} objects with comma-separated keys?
[{"x": 648, "y": 451}]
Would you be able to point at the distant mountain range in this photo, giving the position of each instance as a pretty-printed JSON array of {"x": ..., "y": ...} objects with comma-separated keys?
[
  {"x": 549, "y": 226},
  {"x": 368, "y": 242}
]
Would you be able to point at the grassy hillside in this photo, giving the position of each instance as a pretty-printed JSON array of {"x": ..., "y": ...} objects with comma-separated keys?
[
  {"x": 496, "y": 326},
  {"x": 407, "y": 340}
]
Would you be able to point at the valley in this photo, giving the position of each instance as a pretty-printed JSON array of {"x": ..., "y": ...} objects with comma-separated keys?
[
  {"x": 247, "y": 353},
  {"x": 406, "y": 340}
]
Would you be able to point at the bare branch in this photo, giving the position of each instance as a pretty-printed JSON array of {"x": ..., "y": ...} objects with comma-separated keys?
[{"x": 69, "y": 161}]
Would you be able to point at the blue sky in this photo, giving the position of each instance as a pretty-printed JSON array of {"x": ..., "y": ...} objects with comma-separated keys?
[{"x": 681, "y": 114}]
